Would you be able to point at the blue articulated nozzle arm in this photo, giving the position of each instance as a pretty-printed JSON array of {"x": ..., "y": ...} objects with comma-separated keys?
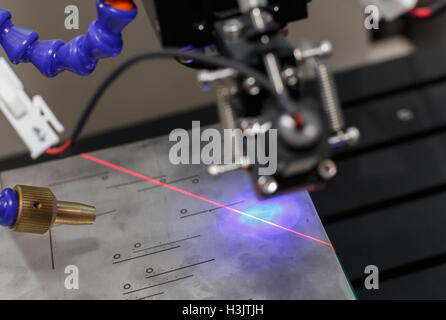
[
  {"x": 9, "y": 207},
  {"x": 80, "y": 55}
]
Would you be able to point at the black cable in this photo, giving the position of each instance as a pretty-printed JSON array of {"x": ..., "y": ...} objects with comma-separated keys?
[
  {"x": 438, "y": 6},
  {"x": 219, "y": 62}
]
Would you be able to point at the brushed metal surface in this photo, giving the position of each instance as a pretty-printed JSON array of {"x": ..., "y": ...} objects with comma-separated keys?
[{"x": 149, "y": 242}]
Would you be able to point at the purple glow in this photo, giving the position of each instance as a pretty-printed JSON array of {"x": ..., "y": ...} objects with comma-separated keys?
[{"x": 245, "y": 236}]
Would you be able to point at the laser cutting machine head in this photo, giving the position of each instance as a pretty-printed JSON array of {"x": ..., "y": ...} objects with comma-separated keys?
[{"x": 308, "y": 122}]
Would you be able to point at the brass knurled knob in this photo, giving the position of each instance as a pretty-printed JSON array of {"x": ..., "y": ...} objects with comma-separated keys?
[{"x": 39, "y": 211}]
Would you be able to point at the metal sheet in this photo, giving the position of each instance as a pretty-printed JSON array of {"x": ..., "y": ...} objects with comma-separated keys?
[{"x": 150, "y": 242}]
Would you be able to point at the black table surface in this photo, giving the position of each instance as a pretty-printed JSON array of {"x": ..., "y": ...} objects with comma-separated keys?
[{"x": 387, "y": 207}]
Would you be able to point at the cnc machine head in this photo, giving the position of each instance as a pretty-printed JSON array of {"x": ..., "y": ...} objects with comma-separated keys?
[{"x": 252, "y": 32}]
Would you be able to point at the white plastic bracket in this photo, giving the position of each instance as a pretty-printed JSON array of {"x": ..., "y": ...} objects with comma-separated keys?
[{"x": 33, "y": 120}]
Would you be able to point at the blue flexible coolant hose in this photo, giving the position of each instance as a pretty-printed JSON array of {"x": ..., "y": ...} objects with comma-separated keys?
[{"x": 80, "y": 55}]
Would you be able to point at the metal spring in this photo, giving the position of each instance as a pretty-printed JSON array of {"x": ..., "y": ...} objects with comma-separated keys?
[{"x": 330, "y": 98}]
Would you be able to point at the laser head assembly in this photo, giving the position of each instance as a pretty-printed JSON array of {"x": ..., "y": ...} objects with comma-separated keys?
[{"x": 309, "y": 122}]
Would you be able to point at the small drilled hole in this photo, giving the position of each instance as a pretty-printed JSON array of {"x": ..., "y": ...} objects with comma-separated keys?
[{"x": 37, "y": 205}]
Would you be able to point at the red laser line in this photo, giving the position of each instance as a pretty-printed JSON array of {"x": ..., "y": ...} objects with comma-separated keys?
[{"x": 187, "y": 193}]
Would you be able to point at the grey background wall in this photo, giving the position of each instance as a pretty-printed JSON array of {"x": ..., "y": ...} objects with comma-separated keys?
[{"x": 154, "y": 89}]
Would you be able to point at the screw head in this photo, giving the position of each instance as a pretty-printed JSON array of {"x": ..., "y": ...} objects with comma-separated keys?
[
  {"x": 267, "y": 185},
  {"x": 327, "y": 170},
  {"x": 291, "y": 76},
  {"x": 326, "y": 48},
  {"x": 251, "y": 87},
  {"x": 354, "y": 135}
]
